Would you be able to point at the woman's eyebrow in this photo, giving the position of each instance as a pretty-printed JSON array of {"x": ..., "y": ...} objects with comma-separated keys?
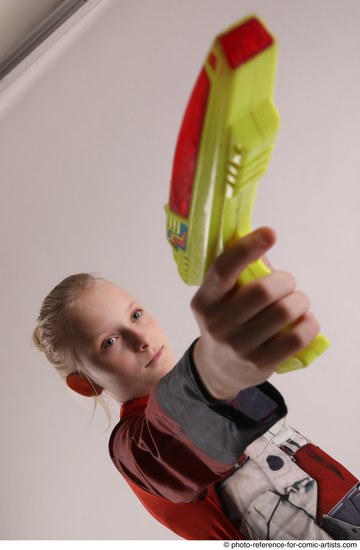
[{"x": 133, "y": 303}]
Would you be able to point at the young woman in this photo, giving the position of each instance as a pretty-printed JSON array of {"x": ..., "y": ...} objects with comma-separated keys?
[{"x": 204, "y": 443}]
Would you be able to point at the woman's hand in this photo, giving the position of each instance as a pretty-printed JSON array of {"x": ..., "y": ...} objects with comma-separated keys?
[{"x": 243, "y": 339}]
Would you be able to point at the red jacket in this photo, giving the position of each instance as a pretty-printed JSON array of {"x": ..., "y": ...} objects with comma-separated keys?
[{"x": 173, "y": 446}]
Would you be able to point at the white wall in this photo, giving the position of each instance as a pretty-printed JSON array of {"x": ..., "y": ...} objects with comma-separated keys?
[{"x": 86, "y": 151}]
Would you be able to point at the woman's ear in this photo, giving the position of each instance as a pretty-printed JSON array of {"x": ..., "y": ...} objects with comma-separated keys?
[{"x": 78, "y": 383}]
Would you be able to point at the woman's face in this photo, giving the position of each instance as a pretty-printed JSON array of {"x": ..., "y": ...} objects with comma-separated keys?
[{"x": 123, "y": 347}]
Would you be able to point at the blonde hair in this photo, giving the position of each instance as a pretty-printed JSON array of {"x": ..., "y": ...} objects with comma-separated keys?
[{"x": 54, "y": 332}]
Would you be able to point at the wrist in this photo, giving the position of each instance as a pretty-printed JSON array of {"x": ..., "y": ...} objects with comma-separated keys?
[{"x": 212, "y": 374}]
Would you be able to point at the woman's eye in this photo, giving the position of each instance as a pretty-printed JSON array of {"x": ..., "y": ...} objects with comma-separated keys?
[
  {"x": 137, "y": 314},
  {"x": 109, "y": 342}
]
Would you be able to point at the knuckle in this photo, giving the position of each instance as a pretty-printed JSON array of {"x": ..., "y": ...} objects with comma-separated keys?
[
  {"x": 297, "y": 340},
  {"x": 304, "y": 333},
  {"x": 288, "y": 278},
  {"x": 261, "y": 292},
  {"x": 311, "y": 327},
  {"x": 300, "y": 304},
  {"x": 218, "y": 269},
  {"x": 283, "y": 311},
  {"x": 292, "y": 307},
  {"x": 273, "y": 287}
]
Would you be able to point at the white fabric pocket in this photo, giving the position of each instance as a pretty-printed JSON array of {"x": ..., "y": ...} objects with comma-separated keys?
[{"x": 271, "y": 516}]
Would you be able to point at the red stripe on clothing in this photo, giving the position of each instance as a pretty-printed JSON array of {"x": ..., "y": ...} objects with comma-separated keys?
[{"x": 333, "y": 480}]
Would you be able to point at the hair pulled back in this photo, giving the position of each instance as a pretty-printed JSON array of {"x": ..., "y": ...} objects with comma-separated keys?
[{"x": 54, "y": 332}]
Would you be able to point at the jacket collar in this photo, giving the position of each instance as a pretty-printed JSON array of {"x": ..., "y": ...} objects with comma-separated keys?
[{"x": 132, "y": 406}]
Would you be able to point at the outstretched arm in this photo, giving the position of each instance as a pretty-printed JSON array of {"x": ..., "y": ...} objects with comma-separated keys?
[{"x": 247, "y": 331}]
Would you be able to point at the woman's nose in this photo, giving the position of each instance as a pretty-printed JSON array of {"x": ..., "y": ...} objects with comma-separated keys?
[
  {"x": 143, "y": 345},
  {"x": 139, "y": 340}
]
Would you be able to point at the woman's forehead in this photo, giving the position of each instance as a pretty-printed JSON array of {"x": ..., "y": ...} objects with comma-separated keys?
[
  {"x": 108, "y": 288},
  {"x": 103, "y": 301},
  {"x": 107, "y": 293}
]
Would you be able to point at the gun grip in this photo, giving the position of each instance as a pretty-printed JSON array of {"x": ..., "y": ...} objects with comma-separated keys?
[{"x": 305, "y": 356}]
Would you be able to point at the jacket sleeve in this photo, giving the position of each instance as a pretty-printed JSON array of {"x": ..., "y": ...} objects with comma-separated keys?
[{"x": 184, "y": 441}]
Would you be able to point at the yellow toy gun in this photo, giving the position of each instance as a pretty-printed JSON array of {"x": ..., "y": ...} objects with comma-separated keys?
[{"x": 224, "y": 146}]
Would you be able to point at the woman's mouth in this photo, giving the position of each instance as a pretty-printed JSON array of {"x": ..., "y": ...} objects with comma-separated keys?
[{"x": 155, "y": 357}]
